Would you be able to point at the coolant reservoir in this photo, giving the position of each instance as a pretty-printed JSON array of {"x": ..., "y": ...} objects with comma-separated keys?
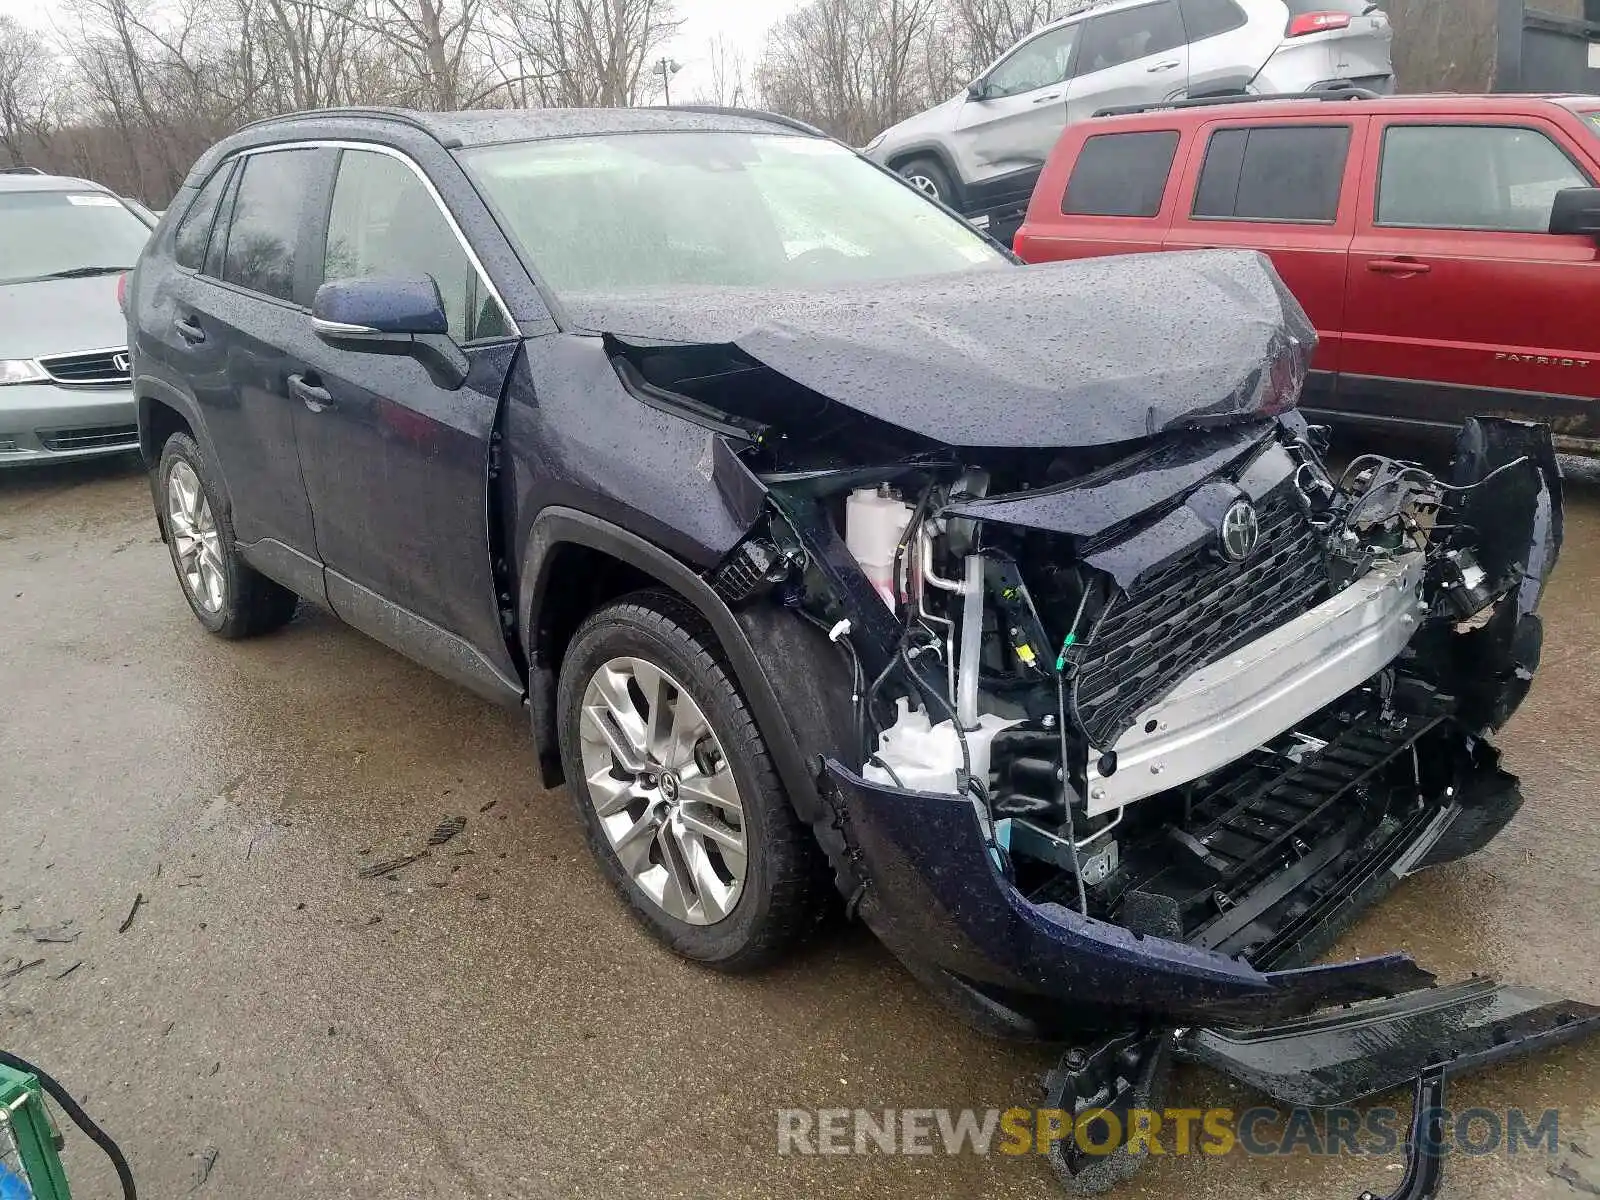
[{"x": 874, "y": 523}]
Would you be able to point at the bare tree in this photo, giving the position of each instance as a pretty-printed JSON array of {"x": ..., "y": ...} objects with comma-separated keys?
[
  {"x": 26, "y": 96},
  {"x": 1445, "y": 47},
  {"x": 727, "y": 83},
  {"x": 592, "y": 53},
  {"x": 851, "y": 66}
]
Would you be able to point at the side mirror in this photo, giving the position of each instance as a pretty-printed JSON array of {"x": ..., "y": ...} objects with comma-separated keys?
[
  {"x": 1576, "y": 210},
  {"x": 401, "y": 315},
  {"x": 978, "y": 89}
]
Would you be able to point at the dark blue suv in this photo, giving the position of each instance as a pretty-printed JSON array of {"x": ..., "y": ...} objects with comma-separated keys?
[{"x": 825, "y": 544}]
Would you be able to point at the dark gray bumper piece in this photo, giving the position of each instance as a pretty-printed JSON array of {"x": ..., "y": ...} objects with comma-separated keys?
[{"x": 1373, "y": 1046}]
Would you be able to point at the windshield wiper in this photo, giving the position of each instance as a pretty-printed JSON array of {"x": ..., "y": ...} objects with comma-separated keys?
[{"x": 79, "y": 273}]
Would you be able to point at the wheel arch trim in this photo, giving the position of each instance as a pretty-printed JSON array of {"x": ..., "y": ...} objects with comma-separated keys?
[
  {"x": 558, "y": 526},
  {"x": 148, "y": 390}
]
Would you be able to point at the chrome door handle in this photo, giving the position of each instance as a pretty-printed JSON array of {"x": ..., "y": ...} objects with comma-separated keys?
[
  {"x": 313, "y": 397},
  {"x": 189, "y": 330},
  {"x": 1047, "y": 99},
  {"x": 1165, "y": 66}
]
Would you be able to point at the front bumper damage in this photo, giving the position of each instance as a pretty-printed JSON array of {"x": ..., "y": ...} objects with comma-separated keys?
[{"x": 1153, "y": 977}]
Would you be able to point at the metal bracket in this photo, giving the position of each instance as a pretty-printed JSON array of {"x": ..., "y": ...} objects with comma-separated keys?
[{"x": 1425, "y": 1147}]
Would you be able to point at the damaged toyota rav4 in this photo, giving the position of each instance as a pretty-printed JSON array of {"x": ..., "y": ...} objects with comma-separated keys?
[{"x": 828, "y": 548}]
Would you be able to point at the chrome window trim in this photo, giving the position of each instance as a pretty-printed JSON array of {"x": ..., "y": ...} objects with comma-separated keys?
[{"x": 422, "y": 177}]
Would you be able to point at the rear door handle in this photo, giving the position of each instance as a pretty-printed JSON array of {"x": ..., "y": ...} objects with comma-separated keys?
[
  {"x": 312, "y": 395},
  {"x": 1170, "y": 65},
  {"x": 1398, "y": 266},
  {"x": 1047, "y": 99},
  {"x": 189, "y": 330}
]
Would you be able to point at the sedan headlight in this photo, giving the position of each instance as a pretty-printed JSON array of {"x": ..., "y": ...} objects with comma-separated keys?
[{"x": 20, "y": 370}]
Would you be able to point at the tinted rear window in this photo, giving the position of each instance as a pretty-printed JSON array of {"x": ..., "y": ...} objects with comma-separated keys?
[
  {"x": 1130, "y": 34},
  {"x": 189, "y": 244},
  {"x": 267, "y": 219},
  {"x": 1274, "y": 173},
  {"x": 1121, "y": 175},
  {"x": 1207, "y": 18}
]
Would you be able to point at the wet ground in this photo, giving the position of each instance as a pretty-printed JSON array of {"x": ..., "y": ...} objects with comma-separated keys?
[{"x": 489, "y": 1022}]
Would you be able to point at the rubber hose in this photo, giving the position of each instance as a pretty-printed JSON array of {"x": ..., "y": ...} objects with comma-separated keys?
[{"x": 79, "y": 1118}]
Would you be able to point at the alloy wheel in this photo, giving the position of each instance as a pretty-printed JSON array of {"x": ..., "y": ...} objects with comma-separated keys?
[
  {"x": 664, "y": 790},
  {"x": 924, "y": 185},
  {"x": 196, "y": 545}
]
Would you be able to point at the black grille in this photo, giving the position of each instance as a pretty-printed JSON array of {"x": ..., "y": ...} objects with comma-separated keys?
[
  {"x": 95, "y": 367},
  {"x": 94, "y": 437},
  {"x": 1193, "y": 611}
]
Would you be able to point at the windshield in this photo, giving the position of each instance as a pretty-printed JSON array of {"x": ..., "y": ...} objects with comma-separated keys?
[
  {"x": 47, "y": 234},
  {"x": 632, "y": 212}
]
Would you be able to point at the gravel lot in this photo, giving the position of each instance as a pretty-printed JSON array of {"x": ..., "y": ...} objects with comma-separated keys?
[{"x": 491, "y": 1023}]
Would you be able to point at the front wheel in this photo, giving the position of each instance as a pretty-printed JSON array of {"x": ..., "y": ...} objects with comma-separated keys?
[
  {"x": 930, "y": 178},
  {"x": 678, "y": 796}
]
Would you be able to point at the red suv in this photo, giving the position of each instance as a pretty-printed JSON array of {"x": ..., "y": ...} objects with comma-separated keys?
[{"x": 1444, "y": 246}]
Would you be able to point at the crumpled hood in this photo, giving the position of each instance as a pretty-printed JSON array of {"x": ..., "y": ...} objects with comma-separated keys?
[
  {"x": 60, "y": 316},
  {"x": 1064, "y": 354}
]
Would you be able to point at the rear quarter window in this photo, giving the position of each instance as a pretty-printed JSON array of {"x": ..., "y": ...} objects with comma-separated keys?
[
  {"x": 1207, "y": 18},
  {"x": 194, "y": 231},
  {"x": 1287, "y": 173},
  {"x": 1121, "y": 175}
]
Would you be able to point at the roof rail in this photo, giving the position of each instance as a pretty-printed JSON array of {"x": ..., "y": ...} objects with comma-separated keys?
[
  {"x": 1350, "y": 93},
  {"x": 20, "y": 171},
  {"x": 400, "y": 115},
  {"x": 754, "y": 114}
]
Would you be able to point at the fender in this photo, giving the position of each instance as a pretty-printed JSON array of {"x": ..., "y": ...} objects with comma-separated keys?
[
  {"x": 556, "y": 526},
  {"x": 149, "y": 389}
]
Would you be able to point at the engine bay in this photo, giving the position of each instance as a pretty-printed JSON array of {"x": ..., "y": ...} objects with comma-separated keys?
[{"x": 1186, "y": 686}]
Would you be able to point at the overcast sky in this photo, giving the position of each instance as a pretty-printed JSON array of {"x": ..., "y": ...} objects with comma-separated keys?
[{"x": 742, "y": 22}]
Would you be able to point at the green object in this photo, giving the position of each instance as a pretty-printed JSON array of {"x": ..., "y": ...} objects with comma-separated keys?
[
  {"x": 1061, "y": 659},
  {"x": 30, "y": 1147}
]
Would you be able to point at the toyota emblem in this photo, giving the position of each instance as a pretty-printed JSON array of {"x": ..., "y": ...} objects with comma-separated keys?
[{"x": 1240, "y": 531}]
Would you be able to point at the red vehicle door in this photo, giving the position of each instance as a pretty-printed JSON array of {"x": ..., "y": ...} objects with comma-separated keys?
[
  {"x": 1460, "y": 300},
  {"x": 1288, "y": 186}
]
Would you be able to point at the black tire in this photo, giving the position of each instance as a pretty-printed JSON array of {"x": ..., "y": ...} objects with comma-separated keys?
[
  {"x": 928, "y": 175},
  {"x": 786, "y": 885},
  {"x": 251, "y": 604}
]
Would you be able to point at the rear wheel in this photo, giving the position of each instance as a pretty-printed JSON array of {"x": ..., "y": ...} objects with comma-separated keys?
[
  {"x": 930, "y": 178},
  {"x": 226, "y": 594},
  {"x": 676, "y": 790}
]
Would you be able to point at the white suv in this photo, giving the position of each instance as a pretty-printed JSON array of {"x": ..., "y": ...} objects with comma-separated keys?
[{"x": 981, "y": 151}]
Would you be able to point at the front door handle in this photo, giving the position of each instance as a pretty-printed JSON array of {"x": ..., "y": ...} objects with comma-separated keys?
[
  {"x": 1047, "y": 99},
  {"x": 1398, "y": 266},
  {"x": 189, "y": 330},
  {"x": 1170, "y": 65},
  {"x": 309, "y": 393}
]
